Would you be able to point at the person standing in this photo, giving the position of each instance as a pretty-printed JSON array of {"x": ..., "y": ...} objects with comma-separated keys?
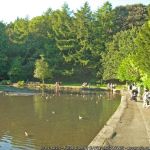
[
  {"x": 57, "y": 87},
  {"x": 134, "y": 93},
  {"x": 146, "y": 98}
]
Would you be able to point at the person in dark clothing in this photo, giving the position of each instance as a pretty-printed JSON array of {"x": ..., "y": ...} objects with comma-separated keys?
[
  {"x": 134, "y": 94},
  {"x": 130, "y": 87}
]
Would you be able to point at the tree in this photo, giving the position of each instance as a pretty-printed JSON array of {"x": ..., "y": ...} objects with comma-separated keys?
[
  {"x": 103, "y": 31},
  {"x": 16, "y": 71},
  {"x": 65, "y": 42},
  {"x": 130, "y": 16},
  {"x": 142, "y": 54},
  {"x": 128, "y": 71},
  {"x": 4, "y": 65},
  {"x": 118, "y": 49},
  {"x": 145, "y": 79},
  {"x": 18, "y": 31},
  {"x": 42, "y": 70},
  {"x": 83, "y": 24},
  {"x": 142, "y": 43},
  {"x": 76, "y": 46}
]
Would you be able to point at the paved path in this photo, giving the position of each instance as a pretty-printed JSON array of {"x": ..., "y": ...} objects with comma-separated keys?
[{"x": 134, "y": 127}]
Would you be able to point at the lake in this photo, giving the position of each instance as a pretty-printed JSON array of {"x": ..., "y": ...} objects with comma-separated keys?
[{"x": 31, "y": 122}]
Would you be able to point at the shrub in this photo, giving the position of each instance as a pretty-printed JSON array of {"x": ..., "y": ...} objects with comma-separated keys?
[
  {"x": 21, "y": 83},
  {"x": 5, "y": 82}
]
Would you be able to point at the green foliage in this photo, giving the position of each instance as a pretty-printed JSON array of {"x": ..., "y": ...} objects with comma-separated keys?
[
  {"x": 128, "y": 71},
  {"x": 42, "y": 70},
  {"x": 129, "y": 54},
  {"x": 16, "y": 71},
  {"x": 118, "y": 49},
  {"x": 5, "y": 82},
  {"x": 146, "y": 80},
  {"x": 18, "y": 31},
  {"x": 3, "y": 64},
  {"x": 142, "y": 54},
  {"x": 21, "y": 83},
  {"x": 142, "y": 42},
  {"x": 129, "y": 16},
  {"x": 77, "y": 46},
  {"x": 103, "y": 32}
]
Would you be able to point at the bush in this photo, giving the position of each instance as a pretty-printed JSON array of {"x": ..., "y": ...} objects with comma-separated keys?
[
  {"x": 5, "y": 82},
  {"x": 21, "y": 83}
]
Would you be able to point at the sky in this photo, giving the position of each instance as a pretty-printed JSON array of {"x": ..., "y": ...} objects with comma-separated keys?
[{"x": 11, "y": 9}]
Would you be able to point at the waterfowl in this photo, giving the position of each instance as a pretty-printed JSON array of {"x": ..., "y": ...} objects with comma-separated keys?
[
  {"x": 26, "y": 134},
  {"x": 80, "y": 117},
  {"x": 53, "y": 112}
]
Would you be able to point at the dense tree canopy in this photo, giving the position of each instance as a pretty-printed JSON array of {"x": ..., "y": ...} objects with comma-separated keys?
[
  {"x": 142, "y": 43},
  {"x": 127, "y": 55},
  {"x": 78, "y": 46},
  {"x": 121, "y": 46},
  {"x": 142, "y": 56}
]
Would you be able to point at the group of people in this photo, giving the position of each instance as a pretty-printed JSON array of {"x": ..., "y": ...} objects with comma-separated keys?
[
  {"x": 111, "y": 86},
  {"x": 145, "y": 96},
  {"x": 84, "y": 84}
]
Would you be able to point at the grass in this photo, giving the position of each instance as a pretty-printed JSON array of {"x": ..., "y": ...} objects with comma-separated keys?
[
  {"x": 71, "y": 84},
  {"x": 119, "y": 87}
]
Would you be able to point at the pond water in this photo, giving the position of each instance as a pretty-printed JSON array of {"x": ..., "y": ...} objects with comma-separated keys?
[{"x": 31, "y": 122}]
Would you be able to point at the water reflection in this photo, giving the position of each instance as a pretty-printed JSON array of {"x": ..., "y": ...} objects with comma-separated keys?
[{"x": 52, "y": 120}]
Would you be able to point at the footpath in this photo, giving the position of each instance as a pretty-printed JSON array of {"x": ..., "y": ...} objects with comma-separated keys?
[{"x": 133, "y": 128}]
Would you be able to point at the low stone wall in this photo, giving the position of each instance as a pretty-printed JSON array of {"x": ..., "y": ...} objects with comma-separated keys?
[{"x": 109, "y": 130}]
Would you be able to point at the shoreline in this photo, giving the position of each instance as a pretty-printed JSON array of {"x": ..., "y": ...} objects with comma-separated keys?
[{"x": 27, "y": 90}]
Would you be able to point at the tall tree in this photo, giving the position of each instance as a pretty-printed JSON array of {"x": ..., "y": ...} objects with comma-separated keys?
[
  {"x": 143, "y": 48},
  {"x": 4, "y": 62},
  {"x": 66, "y": 41},
  {"x": 129, "y": 16},
  {"x": 103, "y": 33},
  {"x": 18, "y": 31},
  {"x": 118, "y": 49},
  {"x": 142, "y": 43},
  {"x": 83, "y": 23}
]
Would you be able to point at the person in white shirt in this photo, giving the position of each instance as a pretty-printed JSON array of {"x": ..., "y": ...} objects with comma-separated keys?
[{"x": 146, "y": 98}]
